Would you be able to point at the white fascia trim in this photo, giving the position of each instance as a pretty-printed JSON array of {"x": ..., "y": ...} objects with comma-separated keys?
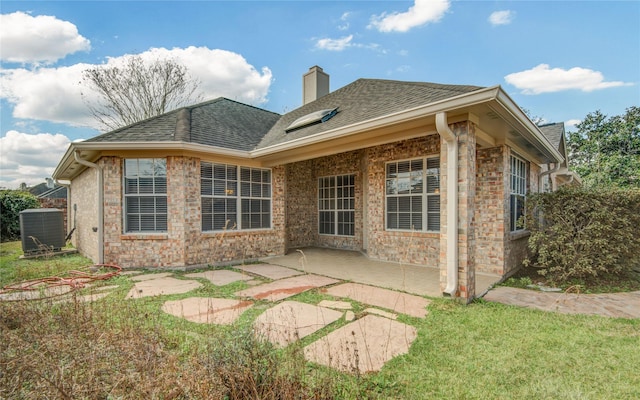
[
  {"x": 517, "y": 113},
  {"x": 452, "y": 103},
  {"x": 173, "y": 145},
  {"x": 68, "y": 157}
]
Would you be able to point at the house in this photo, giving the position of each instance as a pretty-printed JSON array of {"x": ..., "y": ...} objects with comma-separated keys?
[{"x": 379, "y": 166}]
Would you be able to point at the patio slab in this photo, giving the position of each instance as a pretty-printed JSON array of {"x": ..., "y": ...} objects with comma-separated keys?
[
  {"x": 364, "y": 345},
  {"x": 207, "y": 310},
  {"x": 290, "y": 321},
  {"x": 270, "y": 271},
  {"x": 221, "y": 277},
  {"x": 396, "y": 301},
  {"x": 423, "y": 280},
  {"x": 279, "y": 290},
  {"x": 162, "y": 286}
]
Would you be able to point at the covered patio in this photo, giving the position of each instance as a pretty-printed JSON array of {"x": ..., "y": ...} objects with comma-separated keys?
[{"x": 356, "y": 267}]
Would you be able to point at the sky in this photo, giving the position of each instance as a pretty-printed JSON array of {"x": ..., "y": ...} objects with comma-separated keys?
[{"x": 560, "y": 60}]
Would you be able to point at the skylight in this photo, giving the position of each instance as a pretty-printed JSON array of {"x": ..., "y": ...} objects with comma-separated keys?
[{"x": 313, "y": 118}]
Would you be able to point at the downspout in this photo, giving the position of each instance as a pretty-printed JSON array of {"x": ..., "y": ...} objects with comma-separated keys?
[
  {"x": 555, "y": 168},
  {"x": 76, "y": 154},
  {"x": 452, "y": 202}
]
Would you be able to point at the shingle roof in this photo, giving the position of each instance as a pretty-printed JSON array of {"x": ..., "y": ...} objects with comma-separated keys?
[
  {"x": 360, "y": 101},
  {"x": 553, "y": 132},
  {"x": 220, "y": 122},
  {"x": 233, "y": 125}
]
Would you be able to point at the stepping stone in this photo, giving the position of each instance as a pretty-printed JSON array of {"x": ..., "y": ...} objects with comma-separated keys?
[
  {"x": 207, "y": 310},
  {"x": 338, "y": 305},
  {"x": 403, "y": 303},
  {"x": 291, "y": 320},
  {"x": 162, "y": 286},
  {"x": 278, "y": 290},
  {"x": 146, "y": 277},
  {"x": 221, "y": 277},
  {"x": 381, "y": 313},
  {"x": 46, "y": 292},
  {"x": 364, "y": 345},
  {"x": 270, "y": 271}
]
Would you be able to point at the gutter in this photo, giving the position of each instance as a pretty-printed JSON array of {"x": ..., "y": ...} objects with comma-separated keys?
[
  {"x": 76, "y": 155},
  {"x": 555, "y": 168},
  {"x": 452, "y": 202}
]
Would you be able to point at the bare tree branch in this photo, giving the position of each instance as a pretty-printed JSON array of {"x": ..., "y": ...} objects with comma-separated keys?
[{"x": 138, "y": 90}]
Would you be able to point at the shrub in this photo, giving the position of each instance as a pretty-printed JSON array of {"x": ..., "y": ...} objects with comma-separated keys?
[
  {"x": 582, "y": 233},
  {"x": 11, "y": 203}
]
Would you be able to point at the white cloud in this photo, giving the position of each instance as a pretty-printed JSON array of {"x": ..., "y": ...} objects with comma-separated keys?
[
  {"x": 43, "y": 38},
  {"x": 29, "y": 158},
  {"x": 334, "y": 44},
  {"x": 345, "y": 21},
  {"x": 543, "y": 79},
  {"x": 572, "y": 123},
  {"x": 504, "y": 17},
  {"x": 422, "y": 12},
  {"x": 54, "y": 94}
]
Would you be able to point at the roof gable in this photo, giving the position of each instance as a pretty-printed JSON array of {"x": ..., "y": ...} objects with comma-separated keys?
[
  {"x": 220, "y": 122},
  {"x": 360, "y": 101}
]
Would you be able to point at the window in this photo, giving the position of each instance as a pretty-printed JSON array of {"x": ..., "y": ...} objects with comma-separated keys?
[
  {"x": 234, "y": 197},
  {"x": 145, "y": 195},
  {"x": 519, "y": 172},
  {"x": 336, "y": 205},
  {"x": 413, "y": 194}
]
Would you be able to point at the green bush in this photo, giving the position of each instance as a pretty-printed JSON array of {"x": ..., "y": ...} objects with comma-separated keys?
[
  {"x": 583, "y": 233},
  {"x": 11, "y": 203}
]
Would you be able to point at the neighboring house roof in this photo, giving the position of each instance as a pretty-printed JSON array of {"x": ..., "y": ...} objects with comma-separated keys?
[
  {"x": 220, "y": 122},
  {"x": 362, "y": 100},
  {"x": 58, "y": 192},
  {"x": 554, "y": 133}
]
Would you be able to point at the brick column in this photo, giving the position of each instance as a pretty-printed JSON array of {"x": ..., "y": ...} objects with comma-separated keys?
[{"x": 465, "y": 134}]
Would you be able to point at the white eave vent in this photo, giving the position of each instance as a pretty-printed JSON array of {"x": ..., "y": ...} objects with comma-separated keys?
[{"x": 313, "y": 118}]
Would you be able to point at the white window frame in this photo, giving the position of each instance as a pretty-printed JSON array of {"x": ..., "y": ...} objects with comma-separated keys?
[
  {"x": 145, "y": 186},
  {"x": 518, "y": 186},
  {"x": 241, "y": 189},
  {"x": 333, "y": 201},
  {"x": 428, "y": 194}
]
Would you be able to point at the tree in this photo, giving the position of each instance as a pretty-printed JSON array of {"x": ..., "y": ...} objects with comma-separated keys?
[
  {"x": 606, "y": 151},
  {"x": 11, "y": 203},
  {"x": 137, "y": 90}
]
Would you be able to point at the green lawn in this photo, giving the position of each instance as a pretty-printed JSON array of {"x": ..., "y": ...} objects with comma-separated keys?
[{"x": 114, "y": 348}]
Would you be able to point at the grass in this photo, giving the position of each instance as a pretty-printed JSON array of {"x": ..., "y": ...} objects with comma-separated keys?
[{"x": 129, "y": 349}]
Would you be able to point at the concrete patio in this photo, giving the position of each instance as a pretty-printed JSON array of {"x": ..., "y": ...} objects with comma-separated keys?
[{"x": 357, "y": 267}]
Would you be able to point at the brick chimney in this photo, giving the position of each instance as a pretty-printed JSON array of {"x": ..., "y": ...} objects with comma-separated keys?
[{"x": 315, "y": 84}]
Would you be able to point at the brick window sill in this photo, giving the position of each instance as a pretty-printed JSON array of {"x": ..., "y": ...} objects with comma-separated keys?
[
  {"x": 236, "y": 233},
  {"x": 519, "y": 235},
  {"x": 144, "y": 236},
  {"x": 435, "y": 235}
]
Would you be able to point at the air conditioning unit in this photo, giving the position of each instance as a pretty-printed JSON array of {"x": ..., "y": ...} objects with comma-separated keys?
[{"x": 41, "y": 230}]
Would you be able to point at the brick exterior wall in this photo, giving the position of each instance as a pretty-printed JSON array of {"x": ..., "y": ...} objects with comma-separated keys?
[
  {"x": 84, "y": 213},
  {"x": 184, "y": 244},
  {"x": 302, "y": 204},
  {"x": 419, "y": 248},
  {"x": 492, "y": 225}
]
